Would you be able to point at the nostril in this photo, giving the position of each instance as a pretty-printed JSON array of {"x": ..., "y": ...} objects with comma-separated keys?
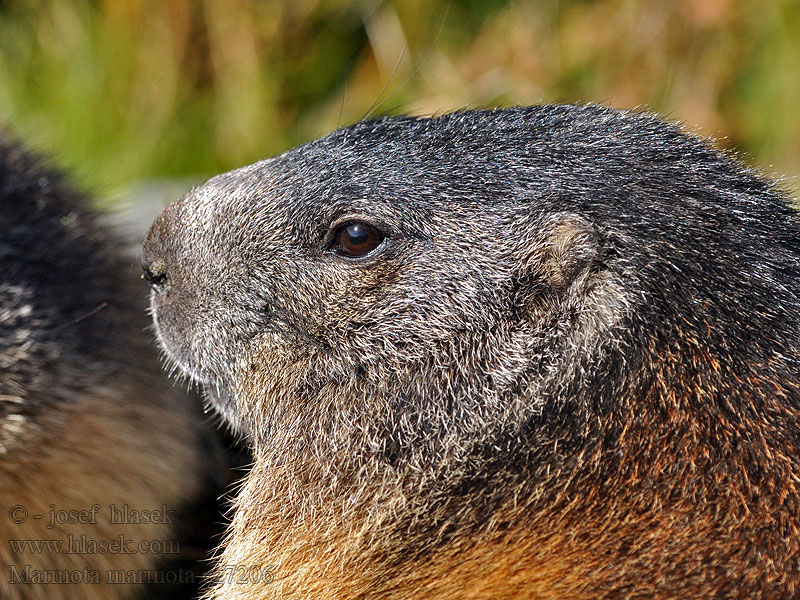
[{"x": 156, "y": 274}]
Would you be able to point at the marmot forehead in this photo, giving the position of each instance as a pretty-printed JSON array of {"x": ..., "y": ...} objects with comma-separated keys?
[{"x": 588, "y": 158}]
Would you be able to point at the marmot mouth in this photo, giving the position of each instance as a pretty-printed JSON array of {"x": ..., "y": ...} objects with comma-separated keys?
[
  {"x": 176, "y": 365},
  {"x": 216, "y": 396},
  {"x": 222, "y": 402},
  {"x": 178, "y": 368}
]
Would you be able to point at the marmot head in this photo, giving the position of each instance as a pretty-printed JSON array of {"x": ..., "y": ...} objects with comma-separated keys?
[
  {"x": 429, "y": 280},
  {"x": 421, "y": 272},
  {"x": 552, "y": 346}
]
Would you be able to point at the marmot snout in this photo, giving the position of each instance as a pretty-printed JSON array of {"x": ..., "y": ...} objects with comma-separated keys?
[{"x": 546, "y": 352}]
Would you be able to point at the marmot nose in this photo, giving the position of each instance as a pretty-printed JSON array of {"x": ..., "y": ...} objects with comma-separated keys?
[
  {"x": 155, "y": 251},
  {"x": 155, "y": 272}
]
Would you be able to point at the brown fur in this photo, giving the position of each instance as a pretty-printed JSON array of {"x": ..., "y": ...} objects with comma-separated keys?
[
  {"x": 101, "y": 452},
  {"x": 641, "y": 530}
]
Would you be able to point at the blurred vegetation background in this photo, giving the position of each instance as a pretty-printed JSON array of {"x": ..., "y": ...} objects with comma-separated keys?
[{"x": 128, "y": 91}]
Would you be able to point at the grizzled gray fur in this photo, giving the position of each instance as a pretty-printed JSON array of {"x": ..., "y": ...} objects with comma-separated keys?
[{"x": 567, "y": 365}]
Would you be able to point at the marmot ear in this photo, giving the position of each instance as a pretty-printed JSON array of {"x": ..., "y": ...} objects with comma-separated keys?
[
  {"x": 572, "y": 249},
  {"x": 562, "y": 257}
]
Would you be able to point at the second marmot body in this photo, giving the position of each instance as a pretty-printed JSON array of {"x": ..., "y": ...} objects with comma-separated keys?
[
  {"x": 97, "y": 451},
  {"x": 547, "y": 352}
]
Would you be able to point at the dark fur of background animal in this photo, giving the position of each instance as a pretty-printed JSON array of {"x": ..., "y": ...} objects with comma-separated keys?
[{"x": 85, "y": 417}]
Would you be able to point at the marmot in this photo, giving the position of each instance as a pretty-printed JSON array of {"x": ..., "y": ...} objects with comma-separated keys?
[
  {"x": 97, "y": 451},
  {"x": 538, "y": 352}
]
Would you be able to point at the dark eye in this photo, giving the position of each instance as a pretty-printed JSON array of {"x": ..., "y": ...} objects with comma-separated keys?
[{"x": 357, "y": 239}]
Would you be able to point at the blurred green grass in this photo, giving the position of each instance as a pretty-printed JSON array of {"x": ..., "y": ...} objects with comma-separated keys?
[{"x": 122, "y": 91}]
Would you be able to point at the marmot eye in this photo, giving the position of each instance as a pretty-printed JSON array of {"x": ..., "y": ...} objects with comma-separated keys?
[{"x": 357, "y": 239}]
